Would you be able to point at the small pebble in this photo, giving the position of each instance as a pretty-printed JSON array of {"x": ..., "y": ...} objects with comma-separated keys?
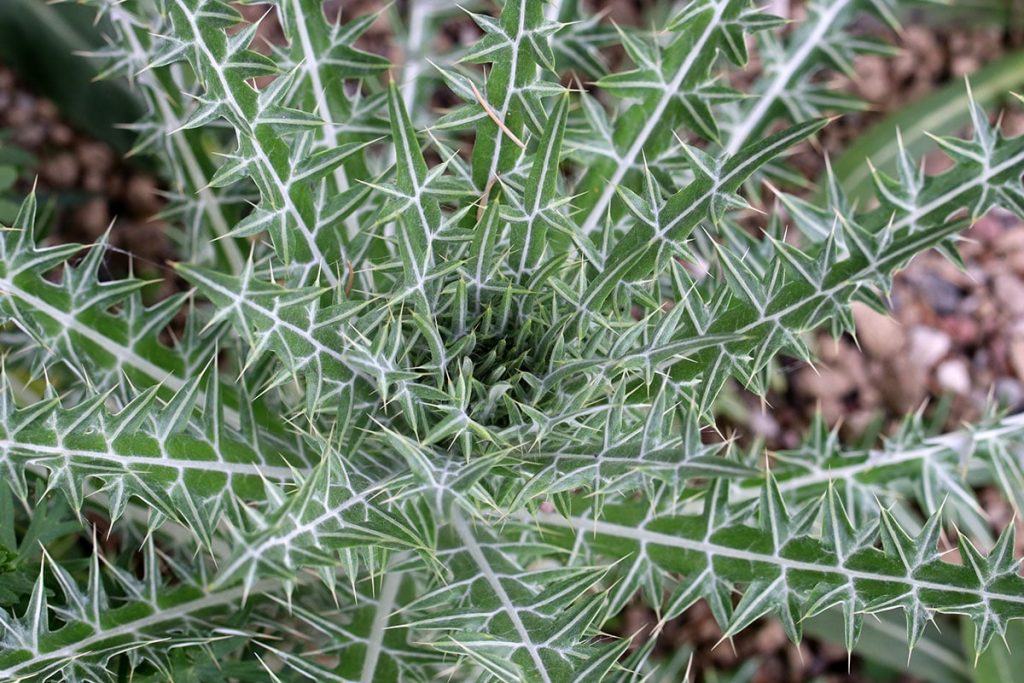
[
  {"x": 953, "y": 376},
  {"x": 30, "y": 135},
  {"x": 47, "y": 110},
  {"x": 1009, "y": 291},
  {"x": 942, "y": 296},
  {"x": 61, "y": 135},
  {"x": 94, "y": 181},
  {"x": 927, "y": 346},
  {"x": 92, "y": 217},
  {"x": 95, "y": 156},
  {"x": 61, "y": 171},
  {"x": 880, "y": 335},
  {"x": 141, "y": 194},
  {"x": 1016, "y": 352},
  {"x": 1009, "y": 392},
  {"x": 964, "y": 331}
]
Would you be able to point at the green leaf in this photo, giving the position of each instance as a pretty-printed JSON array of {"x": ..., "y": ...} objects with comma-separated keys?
[
  {"x": 944, "y": 112},
  {"x": 936, "y": 657},
  {"x": 999, "y": 662},
  {"x": 420, "y": 216},
  {"x": 643, "y": 247},
  {"x": 529, "y": 237}
]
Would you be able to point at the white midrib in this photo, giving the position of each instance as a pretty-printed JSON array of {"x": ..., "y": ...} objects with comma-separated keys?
[
  {"x": 278, "y": 321},
  {"x": 418, "y": 191},
  {"x": 77, "y": 648},
  {"x": 536, "y": 206},
  {"x": 696, "y": 206},
  {"x": 220, "y": 226},
  {"x": 739, "y": 136},
  {"x": 896, "y": 225},
  {"x": 375, "y": 641},
  {"x": 127, "y": 461},
  {"x": 466, "y": 534},
  {"x": 329, "y": 132},
  {"x": 628, "y": 262},
  {"x": 123, "y": 354},
  {"x": 413, "y": 48},
  {"x": 652, "y": 123},
  {"x": 253, "y": 553},
  {"x": 513, "y": 68},
  {"x": 268, "y": 168},
  {"x": 905, "y": 221},
  {"x": 881, "y": 459},
  {"x": 198, "y": 178},
  {"x": 642, "y": 535},
  {"x": 840, "y": 473}
]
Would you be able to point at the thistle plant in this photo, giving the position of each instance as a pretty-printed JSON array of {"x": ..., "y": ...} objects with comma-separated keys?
[{"x": 443, "y": 400}]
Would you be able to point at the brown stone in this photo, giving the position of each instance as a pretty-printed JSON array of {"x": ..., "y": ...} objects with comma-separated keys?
[
  {"x": 878, "y": 334},
  {"x": 61, "y": 171},
  {"x": 93, "y": 217}
]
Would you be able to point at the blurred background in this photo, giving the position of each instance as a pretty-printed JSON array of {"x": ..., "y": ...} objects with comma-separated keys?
[{"x": 954, "y": 344}]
